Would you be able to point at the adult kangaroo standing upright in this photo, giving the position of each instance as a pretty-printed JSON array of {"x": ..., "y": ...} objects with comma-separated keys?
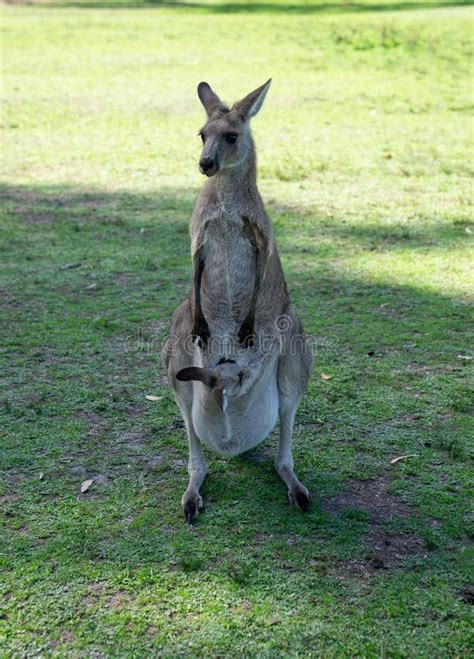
[{"x": 236, "y": 357}]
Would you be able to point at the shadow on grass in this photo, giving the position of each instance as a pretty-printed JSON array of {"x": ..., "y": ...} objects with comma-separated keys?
[
  {"x": 256, "y": 7},
  {"x": 409, "y": 331},
  {"x": 47, "y": 204},
  {"x": 90, "y": 225},
  {"x": 417, "y": 234},
  {"x": 63, "y": 204}
]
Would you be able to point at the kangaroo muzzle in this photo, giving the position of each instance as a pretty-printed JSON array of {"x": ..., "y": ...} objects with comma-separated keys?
[{"x": 208, "y": 165}]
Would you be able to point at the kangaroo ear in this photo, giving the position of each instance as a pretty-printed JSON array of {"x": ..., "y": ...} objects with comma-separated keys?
[
  {"x": 208, "y": 98},
  {"x": 195, "y": 373},
  {"x": 251, "y": 104}
]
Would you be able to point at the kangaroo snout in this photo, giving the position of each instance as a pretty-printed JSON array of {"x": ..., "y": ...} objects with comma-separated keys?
[{"x": 208, "y": 165}]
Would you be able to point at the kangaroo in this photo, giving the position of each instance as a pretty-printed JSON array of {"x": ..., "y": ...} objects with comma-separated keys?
[{"x": 236, "y": 358}]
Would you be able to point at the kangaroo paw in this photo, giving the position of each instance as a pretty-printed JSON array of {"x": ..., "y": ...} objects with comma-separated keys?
[
  {"x": 191, "y": 503},
  {"x": 200, "y": 329},
  {"x": 300, "y": 497},
  {"x": 201, "y": 337}
]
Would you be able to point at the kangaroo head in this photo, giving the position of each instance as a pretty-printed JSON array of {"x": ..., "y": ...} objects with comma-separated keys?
[
  {"x": 227, "y": 140},
  {"x": 224, "y": 380}
]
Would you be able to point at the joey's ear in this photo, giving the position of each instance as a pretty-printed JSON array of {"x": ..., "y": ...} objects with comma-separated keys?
[
  {"x": 195, "y": 373},
  {"x": 208, "y": 98},
  {"x": 251, "y": 104}
]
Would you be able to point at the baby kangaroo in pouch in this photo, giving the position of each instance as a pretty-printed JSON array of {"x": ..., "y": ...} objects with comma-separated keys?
[{"x": 236, "y": 358}]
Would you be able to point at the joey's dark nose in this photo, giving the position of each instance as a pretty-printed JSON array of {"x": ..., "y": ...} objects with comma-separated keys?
[{"x": 207, "y": 165}]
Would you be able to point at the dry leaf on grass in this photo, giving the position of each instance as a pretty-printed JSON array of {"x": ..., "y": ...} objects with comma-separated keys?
[
  {"x": 326, "y": 376},
  {"x": 85, "y": 485},
  {"x": 41, "y": 476},
  {"x": 402, "y": 457},
  {"x": 154, "y": 399}
]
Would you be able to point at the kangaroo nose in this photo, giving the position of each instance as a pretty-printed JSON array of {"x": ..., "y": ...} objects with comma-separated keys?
[{"x": 206, "y": 164}]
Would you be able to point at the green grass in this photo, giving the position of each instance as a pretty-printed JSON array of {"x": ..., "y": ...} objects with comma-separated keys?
[{"x": 365, "y": 158}]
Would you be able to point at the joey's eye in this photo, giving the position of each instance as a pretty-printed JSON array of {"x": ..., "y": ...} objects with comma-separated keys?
[{"x": 230, "y": 138}]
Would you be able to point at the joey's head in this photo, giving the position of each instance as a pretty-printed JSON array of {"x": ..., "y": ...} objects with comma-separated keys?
[
  {"x": 224, "y": 380},
  {"x": 226, "y": 136}
]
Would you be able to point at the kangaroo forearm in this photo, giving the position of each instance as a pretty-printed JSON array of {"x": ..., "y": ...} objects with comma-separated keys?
[{"x": 200, "y": 327}]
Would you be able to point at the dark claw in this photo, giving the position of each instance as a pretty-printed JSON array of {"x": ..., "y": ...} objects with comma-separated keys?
[
  {"x": 190, "y": 511},
  {"x": 303, "y": 501}
]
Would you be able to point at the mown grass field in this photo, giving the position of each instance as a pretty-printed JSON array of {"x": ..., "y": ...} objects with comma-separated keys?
[{"x": 365, "y": 164}]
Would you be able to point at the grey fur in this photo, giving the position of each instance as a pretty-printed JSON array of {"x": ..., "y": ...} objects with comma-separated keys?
[{"x": 251, "y": 361}]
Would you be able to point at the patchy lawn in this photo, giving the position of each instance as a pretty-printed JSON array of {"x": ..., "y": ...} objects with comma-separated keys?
[{"x": 365, "y": 161}]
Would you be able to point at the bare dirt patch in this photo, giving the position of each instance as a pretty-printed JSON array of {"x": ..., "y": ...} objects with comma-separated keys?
[
  {"x": 384, "y": 550},
  {"x": 65, "y": 638},
  {"x": 392, "y": 549},
  {"x": 416, "y": 368},
  {"x": 117, "y": 451},
  {"x": 9, "y": 498},
  {"x": 98, "y": 587},
  {"x": 262, "y": 537},
  {"x": 370, "y": 496},
  {"x": 131, "y": 438},
  {"x": 167, "y": 458},
  {"x": 119, "y": 600},
  {"x": 317, "y": 426},
  {"x": 12, "y": 483},
  {"x": 135, "y": 411},
  {"x": 95, "y": 421}
]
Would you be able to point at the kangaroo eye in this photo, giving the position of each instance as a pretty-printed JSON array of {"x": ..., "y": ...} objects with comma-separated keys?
[
  {"x": 231, "y": 138},
  {"x": 201, "y": 135}
]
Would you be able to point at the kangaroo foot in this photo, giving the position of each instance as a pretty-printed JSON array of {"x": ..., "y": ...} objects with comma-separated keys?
[
  {"x": 300, "y": 496},
  {"x": 192, "y": 504}
]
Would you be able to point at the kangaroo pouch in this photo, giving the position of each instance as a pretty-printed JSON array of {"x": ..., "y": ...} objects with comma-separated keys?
[{"x": 246, "y": 422}]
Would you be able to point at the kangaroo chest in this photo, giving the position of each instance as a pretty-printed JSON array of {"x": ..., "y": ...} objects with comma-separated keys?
[{"x": 228, "y": 279}]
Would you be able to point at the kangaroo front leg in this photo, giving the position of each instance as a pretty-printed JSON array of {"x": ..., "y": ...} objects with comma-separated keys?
[
  {"x": 297, "y": 493},
  {"x": 200, "y": 329}
]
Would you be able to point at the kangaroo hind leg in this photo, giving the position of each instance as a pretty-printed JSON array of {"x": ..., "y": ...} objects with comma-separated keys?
[{"x": 294, "y": 369}]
